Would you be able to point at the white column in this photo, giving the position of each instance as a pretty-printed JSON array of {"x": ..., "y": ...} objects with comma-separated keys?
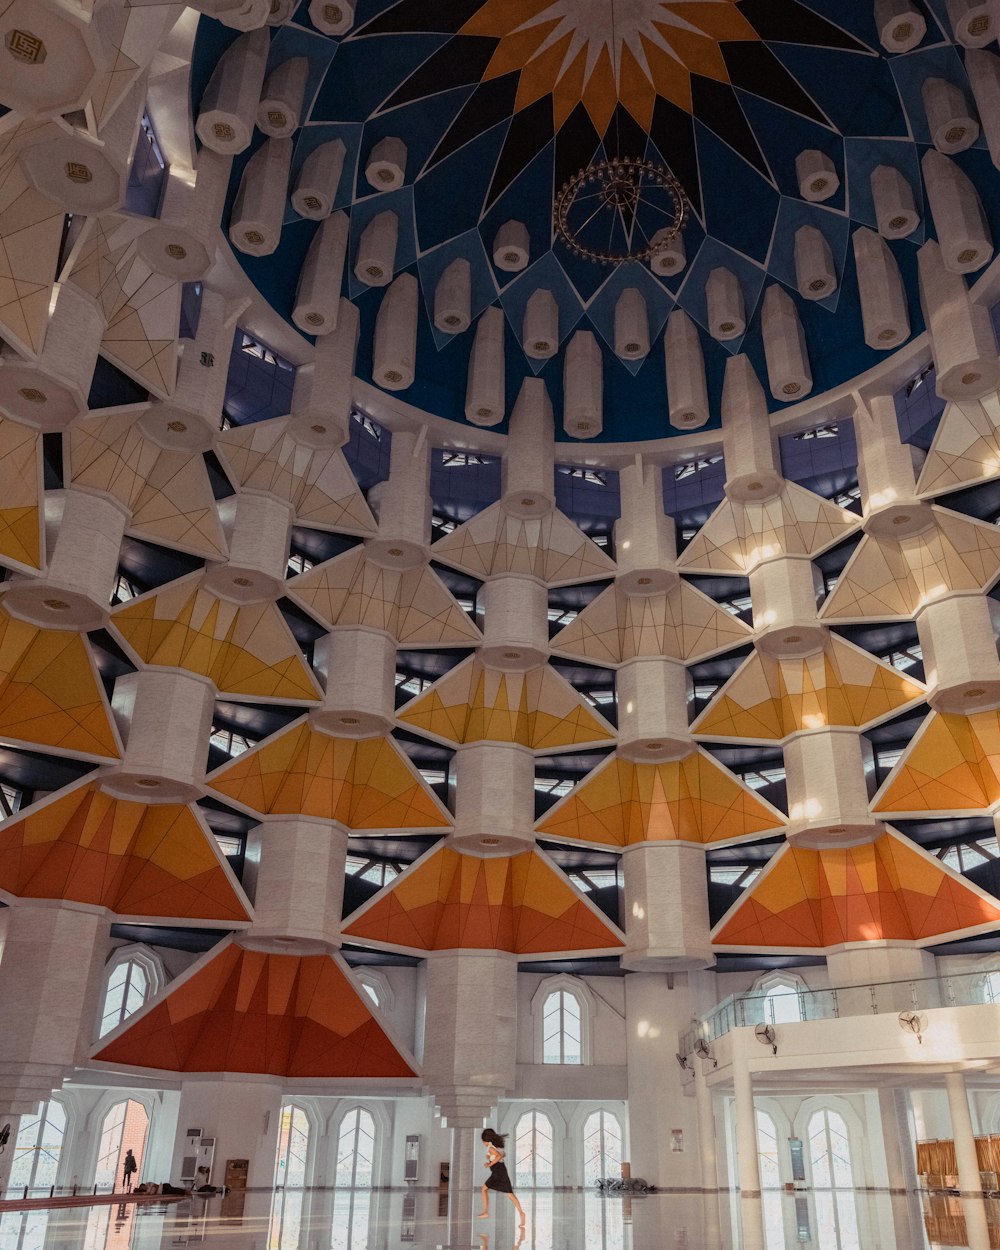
[
  {"x": 747, "y": 1163},
  {"x": 295, "y": 869},
  {"x": 259, "y": 529},
  {"x": 961, "y": 1130},
  {"x": 165, "y": 718},
  {"x": 658, "y": 1008},
  {"x": 706, "y": 1133},
  {"x": 666, "y": 907},
  {"x": 76, "y": 591},
  {"x": 358, "y": 669},
  {"x": 528, "y": 468},
  {"x": 403, "y": 505},
  {"x": 50, "y": 981},
  {"x": 470, "y": 1032},
  {"x": 494, "y": 798}
]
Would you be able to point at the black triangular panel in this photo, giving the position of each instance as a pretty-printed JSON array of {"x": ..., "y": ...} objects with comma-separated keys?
[
  {"x": 529, "y": 133},
  {"x": 576, "y": 144},
  {"x": 444, "y": 70},
  {"x": 491, "y": 103},
  {"x": 786, "y": 21},
  {"x": 672, "y": 131},
  {"x": 420, "y": 16},
  {"x": 755, "y": 68},
  {"x": 716, "y": 106}
]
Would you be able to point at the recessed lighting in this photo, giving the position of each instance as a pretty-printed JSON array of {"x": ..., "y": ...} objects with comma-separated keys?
[
  {"x": 242, "y": 581},
  {"x": 349, "y": 720},
  {"x": 177, "y": 427},
  {"x": 512, "y": 655},
  {"x": 654, "y": 746},
  {"x": 56, "y": 605},
  {"x": 148, "y": 783},
  {"x": 791, "y": 638},
  {"x": 489, "y": 841},
  {"x": 644, "y": 581}
]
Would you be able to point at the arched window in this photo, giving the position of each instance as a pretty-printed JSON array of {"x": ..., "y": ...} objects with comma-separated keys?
[
  {"x": 355, "y": 1150},
  {"x": 780, "y": 999},
  {"x": 767, "y": 1151},
  {"x": 124, "y": 1128},
  {"x": 830, "y": 1151},
  {"x": 602, "y": 1147},
  {"x": 38, "y": 1148},
  {"x": 293, "y": 1148},
  {"x": 533, "y": 1151},
  {"x": 135, "y": 974},
  {"x": 562, "y": 1028}
]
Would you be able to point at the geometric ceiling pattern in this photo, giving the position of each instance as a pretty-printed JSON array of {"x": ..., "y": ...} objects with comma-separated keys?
[
  {"x": 50, "y": 694},
  {"x": 168, "y": 493},
  {"x": 538, "y": 709},
  {"x": 770, "y": 698},
  {"x": 31, "y": 228},
  {"x": 550, "y": 548},
  {"x": 252, "y": 1011},
  {"x": 499, "y": 102},
  {"x": 245, "y": 648},
  {"x": 142, "y": 862},
  {"x": 363, "y": 784},
  {"x": 413, "y": 605},
  {"x": 693, "y": 799},
  {"x": 517, "y": 903},
  {"x": 952, "y": 764},
  {"x": 319, "y": 485},
  {"x": 887, "y": 579},
  {"x": 21, "y": 532},
  {"x": 682, "y": 624},
  {"x": 886, "y": 890},
  {"x": 966, "y": 446},
  {"x": 737, "y": 536}
]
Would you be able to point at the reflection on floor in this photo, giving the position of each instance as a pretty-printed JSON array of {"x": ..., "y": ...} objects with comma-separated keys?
[{"x": 364, "y": 1219}]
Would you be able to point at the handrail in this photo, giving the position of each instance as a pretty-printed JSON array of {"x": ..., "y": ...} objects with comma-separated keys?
[{"x": 791, "y": 1006}]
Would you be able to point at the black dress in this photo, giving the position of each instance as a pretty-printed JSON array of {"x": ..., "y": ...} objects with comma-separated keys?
[{"x": 498, "y": 1180}]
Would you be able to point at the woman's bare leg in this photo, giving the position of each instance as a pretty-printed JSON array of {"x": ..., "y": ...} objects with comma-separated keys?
[
  {"x": 520, "y": 1209},
  {"x": 486, "y": 1204}
]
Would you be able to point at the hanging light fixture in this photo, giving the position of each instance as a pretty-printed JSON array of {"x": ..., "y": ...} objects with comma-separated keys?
[{"x": 620, "y": 209}]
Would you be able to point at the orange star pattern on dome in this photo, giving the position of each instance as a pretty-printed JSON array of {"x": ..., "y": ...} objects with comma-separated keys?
[
  {"x": 450, "y": 901},
  {"x": 363, "y": 784},
  {"x": 49, "y": 692},
  {"x": 585, "y": 50},
  {"x": 693, "y": 800},
  {"x": 136, "y": 860},
  {"x": 887, "y": 890},
  {"x": 241, "y": 1010}
]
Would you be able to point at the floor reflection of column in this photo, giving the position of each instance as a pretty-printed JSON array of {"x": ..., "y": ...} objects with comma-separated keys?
[
  {"x": 752, "y": 1221},
  {"x": 976, "y": 1224}
]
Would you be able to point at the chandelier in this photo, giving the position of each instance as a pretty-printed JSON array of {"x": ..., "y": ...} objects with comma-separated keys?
[{"x": 618, "y": 210}]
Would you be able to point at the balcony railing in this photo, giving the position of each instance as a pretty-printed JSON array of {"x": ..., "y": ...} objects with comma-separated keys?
[{"x": 793, "y": 1006}]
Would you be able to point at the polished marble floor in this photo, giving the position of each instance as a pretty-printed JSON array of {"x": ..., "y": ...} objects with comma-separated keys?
[{"x": 367, "y": 1220}]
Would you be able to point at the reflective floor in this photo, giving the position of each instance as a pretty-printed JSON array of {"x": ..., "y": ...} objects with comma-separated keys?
[{"x": 367, "y": 1220}]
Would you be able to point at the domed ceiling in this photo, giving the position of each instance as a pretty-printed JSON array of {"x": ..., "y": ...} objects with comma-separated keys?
[{"x": 499, "y": 102}]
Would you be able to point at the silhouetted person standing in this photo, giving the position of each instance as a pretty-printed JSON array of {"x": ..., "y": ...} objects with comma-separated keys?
[{"x": 130, "y": 1169}]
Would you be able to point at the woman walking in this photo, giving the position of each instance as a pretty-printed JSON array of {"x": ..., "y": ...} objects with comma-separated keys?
[{"x": 499, "y": 1179}]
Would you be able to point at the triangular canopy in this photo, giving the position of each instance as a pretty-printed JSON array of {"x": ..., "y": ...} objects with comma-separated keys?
[
  {"x": 252, "y": 1011},
  {"x": 450, "y": 901}
]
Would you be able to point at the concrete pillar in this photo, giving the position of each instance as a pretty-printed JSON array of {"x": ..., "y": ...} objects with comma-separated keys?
[
  {"x": 494, "y": 798},
  {"x": 295, "y": 872},
  {"x": 752, "y": 466},
  {"x": 403, "y": 505},
  {"x": 658, "y": 1008},
  {"x": 50, "y": 392},
  {"x": 687, "y": 388},
  {"x": 747, "y": 1162},
  {"x": 485, "y": 397},
  {"x": 358, "y": 669},
  {"x": 182, "y": 243},
  {"x": 193, "y": 414},
  {"x": 257, "y": 217},
  {"x": 707, "y": 1140},
  {"x": 887, "y": 467},
  {"x": 891, "y": 1122},
  {"x": 891, "y": 968},
  {"x": 165, "y": 718},
  {"x": 961, "y": 1131},
  {"x": 83, "y": 565},
  {"x": 395, "y": 350},
  {"x": 243, "y": 1113},
  {"x": 958, "y": 636},
  {"x": 317, "y": 295},
  {"x": 259, "y": 530},
  {"x": 827, "y": 793},
  {"x": 961, "y": 333},
  {"x": 50, "y": 982},
  {"x": 470, "y": 1032},
  {"x": 645, "y": 537},
  {"x": 583, "y": 387},
  {"x": 515, "y": 624},
  {"x": 528, "y": 467},
  {"x": 653, "y": 700},
  {"x": 324, "y": 408},
  {"x": 666, "y": 925}
]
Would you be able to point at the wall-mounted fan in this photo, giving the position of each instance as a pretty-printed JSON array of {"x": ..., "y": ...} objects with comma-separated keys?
[
  {"x": 704, "y": 1051},
  {"x": 765, "y": 1034},
  {"x": 4, "y": 1136},
  {"x": 681, "y": 1060},
  {"x": 913, "y": 1022}
]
